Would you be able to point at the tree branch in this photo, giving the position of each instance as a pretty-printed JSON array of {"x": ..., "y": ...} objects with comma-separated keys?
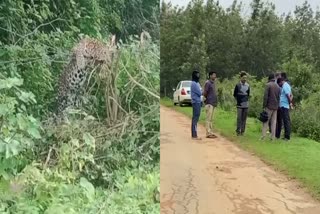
[
  {"x": 141, "y": 86},
  {"x": 42, "y": 25}
]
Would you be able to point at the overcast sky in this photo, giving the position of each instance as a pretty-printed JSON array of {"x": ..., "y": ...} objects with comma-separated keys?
[{"x": 282, "y": 6}]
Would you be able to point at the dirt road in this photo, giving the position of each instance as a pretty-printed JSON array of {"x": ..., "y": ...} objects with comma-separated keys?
[{"x": 216, "y": 177}]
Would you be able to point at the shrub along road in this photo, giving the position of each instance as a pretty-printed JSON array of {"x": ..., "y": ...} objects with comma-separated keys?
[{"x": 215, "y": 176}]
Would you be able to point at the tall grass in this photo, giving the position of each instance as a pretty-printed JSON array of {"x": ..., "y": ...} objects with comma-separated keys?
[{"x": 88, "y": 165}]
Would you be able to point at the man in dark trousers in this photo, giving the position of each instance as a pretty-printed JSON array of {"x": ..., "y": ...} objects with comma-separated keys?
[
  {"x": 211, "y": 100},
  {"x": 196, "y": 103},
  {"x": 285, "y": 105},
  {"x": 241, "y": 94},
  {"x": 271, "y": 101}
]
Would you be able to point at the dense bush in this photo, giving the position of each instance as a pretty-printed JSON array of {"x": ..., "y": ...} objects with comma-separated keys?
[
  {"x": 105, "y": 158},
  {"x": 34, "y": 191},
  {"x": 305, "y": 118},
  {"x": 85, "y": 159}
]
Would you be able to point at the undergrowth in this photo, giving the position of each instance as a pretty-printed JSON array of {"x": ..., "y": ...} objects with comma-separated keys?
[{"x": 85, "y": 165}]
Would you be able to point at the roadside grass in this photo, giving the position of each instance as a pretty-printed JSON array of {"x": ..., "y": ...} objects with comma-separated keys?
[{"x": 299, "y": 159}]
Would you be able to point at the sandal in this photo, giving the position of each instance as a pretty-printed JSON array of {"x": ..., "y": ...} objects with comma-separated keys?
[{"x": 211, "y": 136}]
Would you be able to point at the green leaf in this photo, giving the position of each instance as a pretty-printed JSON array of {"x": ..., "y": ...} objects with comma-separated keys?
[
  {"x": 34, "y": 132},
  {"x": 75, "y": 142},
  {"x": 13, "y": 147},
  {"x": 10, "y": 82},
  {"x": 27, "y": 141},
  {"x": 7, "y": 151},
  {"x": 88, "y": 186},
  {"x": 22, "y": 122},
  {"x": 4, "y": 109},
  {"x": 108, "y": 143},
  {"x": 12, "y": 121},
  {"x": 2, "y": 147},
  {"x": 27, "y": 97},
  {"x": 88, "y": 139}
]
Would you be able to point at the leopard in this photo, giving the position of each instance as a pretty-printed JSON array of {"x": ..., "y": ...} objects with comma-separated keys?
[{"x": 88, "y": 51}]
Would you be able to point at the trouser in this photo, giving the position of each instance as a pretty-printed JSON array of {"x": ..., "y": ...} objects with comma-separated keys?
[
  {"x": 242, "y": 114},
  {"x": 196, "y": 110},
  {"x": 209, "y": 118},
  {"x": 283, "y": 118},
  {"x": 272, "y": 120},
  {"x": 269, "y": 124}
]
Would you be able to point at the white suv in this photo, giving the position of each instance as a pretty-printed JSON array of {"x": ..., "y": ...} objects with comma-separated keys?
[{"x": 182, "y": 94}]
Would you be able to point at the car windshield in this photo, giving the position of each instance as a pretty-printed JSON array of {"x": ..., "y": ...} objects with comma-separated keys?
[{"x": 186, "y": 84}]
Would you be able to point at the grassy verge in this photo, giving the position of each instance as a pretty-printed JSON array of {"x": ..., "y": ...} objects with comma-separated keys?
[{"x": 299, "y": 159}]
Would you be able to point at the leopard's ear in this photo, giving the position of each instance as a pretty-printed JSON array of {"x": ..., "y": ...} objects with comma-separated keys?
[{"x": 112, "y": 40}]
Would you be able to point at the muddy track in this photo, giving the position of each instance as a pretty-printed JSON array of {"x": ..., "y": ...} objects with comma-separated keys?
[{"x": 216, "y": 177}]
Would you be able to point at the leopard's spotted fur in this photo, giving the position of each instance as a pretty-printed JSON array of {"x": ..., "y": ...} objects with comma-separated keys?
[{"x": 87, "y": 52}]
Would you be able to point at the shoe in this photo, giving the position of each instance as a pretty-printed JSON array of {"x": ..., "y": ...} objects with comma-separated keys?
[
  {"x": 196, "y": 138},
  {"x": 211, "y": 136}
]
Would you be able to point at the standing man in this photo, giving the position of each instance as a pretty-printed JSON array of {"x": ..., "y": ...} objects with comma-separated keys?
[
  {"x": 271, "y": 101},
  {"x": 285, "y": 105},
  {"x": 196, "y": 103},
  {"x": 241, "y": 94},
  {"x": 277, "y": 76},
  {"x": 285, "y": 78},
  {"x": 211, "y": 101}
]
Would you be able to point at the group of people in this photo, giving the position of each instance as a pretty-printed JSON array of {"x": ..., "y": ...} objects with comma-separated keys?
[{"x": 277, "y": 102}]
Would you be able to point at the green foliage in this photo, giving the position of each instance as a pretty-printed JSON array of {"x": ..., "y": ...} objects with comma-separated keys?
[
  {"x": 260, "y": 44},
  {"x": 84, "y": 166},
  {"x": 197, "y": 58},
  {"x": 18, "y": 130},
  {"x": 36, "y": 192},
  {"x": 305, "y": 118},
  {"x": 96, "y": 18},
  {"x": 142, "y": 66},
  {"x": 303, "y": 77}
]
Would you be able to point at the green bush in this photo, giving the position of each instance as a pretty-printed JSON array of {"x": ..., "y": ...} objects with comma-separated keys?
[
  {"x": 18, "y": 130},
  {"x": 34, "y": 191},
  {"x": 305, "y": 118},
  {"x": 105, "y": 159},
  {"x": 84, "y": 165}
]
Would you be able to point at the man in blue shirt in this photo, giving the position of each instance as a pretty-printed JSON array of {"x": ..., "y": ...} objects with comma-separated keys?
[
  {"x": 285, "y": 105},
  {"x": 196, "y": 103}
]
